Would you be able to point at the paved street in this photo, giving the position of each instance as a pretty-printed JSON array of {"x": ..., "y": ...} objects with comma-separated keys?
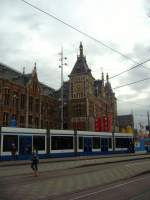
[
  {"x": 58, "y": 179},
  {"x": 137, "y": 188}
]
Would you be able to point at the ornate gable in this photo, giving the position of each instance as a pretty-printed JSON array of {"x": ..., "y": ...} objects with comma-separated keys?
[{"x": 81, "y": 66}]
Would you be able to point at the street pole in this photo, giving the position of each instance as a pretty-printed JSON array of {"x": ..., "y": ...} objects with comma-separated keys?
[
  {"x": 27, "y": 108},
  {"x": 62, "y": 87},
  {"x": 148, "y": 122}
]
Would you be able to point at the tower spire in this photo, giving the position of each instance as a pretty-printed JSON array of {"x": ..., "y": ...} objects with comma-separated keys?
[
  {"x": 107, "y": 78},
  {"x": 81, "y": 49},
  {"x": 102, "y": 78},
  {"x": 35, "y": 66}
]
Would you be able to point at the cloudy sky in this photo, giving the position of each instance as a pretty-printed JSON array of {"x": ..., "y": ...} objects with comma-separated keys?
[{"x": 28, "y": 36}]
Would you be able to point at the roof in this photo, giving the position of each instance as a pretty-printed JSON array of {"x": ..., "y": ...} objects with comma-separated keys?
[
  {"x": 97, "y": 87},
  {"x": 47, "y": 91},
  {"x": 22, "y": 79},
  {"x": 81, "y": 66},
  {"x": 14, "y": 75}
]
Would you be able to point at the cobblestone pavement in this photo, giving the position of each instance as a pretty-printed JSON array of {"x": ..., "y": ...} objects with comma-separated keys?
[{"x": 17, "y": 182}]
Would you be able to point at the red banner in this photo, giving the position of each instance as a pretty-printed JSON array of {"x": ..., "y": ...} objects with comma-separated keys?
[
  {"x": 109, "y": 122},
  {"x": 98, "y": 124}
]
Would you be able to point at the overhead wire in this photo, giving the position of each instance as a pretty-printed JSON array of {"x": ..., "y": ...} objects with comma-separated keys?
[
  {"x": 83, "y": 33},
  {"x": 129, "y": 69},
  {"x": 132, "y": 83},
  {"x": 98, "y": 41},
  {"x": 147, "y": 106}
]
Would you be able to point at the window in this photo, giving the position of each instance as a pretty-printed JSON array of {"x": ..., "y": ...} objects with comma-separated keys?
[
  {"x": 22, "y": 119},
  {"x": 8, "y": 141},
  {"x": 6, "y": 96},
  {"x": 122, "y": 142},
  {"x": 80, "y": 142},
  {"x": 42, "y": 124},
  {"x": 5, "y": 118},
  {"x": 39, "y": 142},
  {"x": 42, "y": 108},
  {"x": 46, "y": 124},
  {"x": 0, "y": 143},
  {"x": 22, "y": 102},
  {"x": 62, "y": 142},
  {"x": 30, "y": 103},
  {"x": 96, "y": 142},
  {"x": 36, "y": 122},
  {"x": 37, "y": 105},
  {"x": 110, "y": 143},
  {"x": 30, "y": 120}
]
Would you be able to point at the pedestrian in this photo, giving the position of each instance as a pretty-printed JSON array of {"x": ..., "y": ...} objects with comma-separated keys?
[
  {"x": 13, "y": 151},
  {"x": 34, "y": 164}
]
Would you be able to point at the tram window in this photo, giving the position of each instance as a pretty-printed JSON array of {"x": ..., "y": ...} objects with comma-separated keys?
[
  {"x": 110, "y": 143},
  {"x": 8, "y": 140},
  {"x": 122, "y": 142},
  {"x": 39, "y": 142},
  {"x": 0, "y": 143},
  {"x": 96, "y": 143},
  {"x": 80, "y": 142},
  {"x": 62, "y": 142}
]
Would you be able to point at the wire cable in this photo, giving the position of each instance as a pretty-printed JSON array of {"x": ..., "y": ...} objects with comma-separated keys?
[
  {"x": 83, "y": 33},
  {"x": 147, "y": 106},
  {"x": 138, "y": 65},
  {"x": 132, "y": 83}
]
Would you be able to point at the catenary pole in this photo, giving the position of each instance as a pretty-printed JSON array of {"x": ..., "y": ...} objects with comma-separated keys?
[
  {"x": 62, "y": 58},
  {"x": 148, "y": 122}
]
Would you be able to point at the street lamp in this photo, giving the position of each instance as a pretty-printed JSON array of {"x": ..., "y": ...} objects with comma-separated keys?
[
  {"x": 62, "y": 58},
  {"x": 13, "y": 122}
]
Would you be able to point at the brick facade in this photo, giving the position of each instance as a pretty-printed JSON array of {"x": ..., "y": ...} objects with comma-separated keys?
[
  {"x": 25, "y": 100},
  {"x": 90, "y": 99},
  {"x": 87, "y": 101}
]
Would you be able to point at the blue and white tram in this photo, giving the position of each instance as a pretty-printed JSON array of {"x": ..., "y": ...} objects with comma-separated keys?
[
  {"x": 94, "y": 142},
  {"x": 25, "y": 140},
  {"x": 60, "y": 143},
  {"x": 123, "y": 141}
]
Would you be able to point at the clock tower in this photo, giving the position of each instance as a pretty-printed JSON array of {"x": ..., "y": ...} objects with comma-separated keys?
[{"x": 81, "y": 90}]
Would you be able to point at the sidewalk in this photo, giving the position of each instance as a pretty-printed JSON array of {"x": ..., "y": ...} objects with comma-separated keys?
[
  {"x": 54, "y": 181},
  {"x": 102, "y": 159}
]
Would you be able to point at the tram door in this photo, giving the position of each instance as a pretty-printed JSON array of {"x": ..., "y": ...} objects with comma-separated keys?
[
  {"x": 25, "y": 145},
  {"x": 88, "y": 144},
  {"x": 104, "y": 144}
]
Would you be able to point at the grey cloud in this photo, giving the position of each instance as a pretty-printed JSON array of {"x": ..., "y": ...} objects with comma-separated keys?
[{"x": 141, "y": 51}]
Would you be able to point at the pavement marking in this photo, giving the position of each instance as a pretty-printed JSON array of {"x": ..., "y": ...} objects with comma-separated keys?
[
  {"x": 138, "y": 197},
  {"x": 137, "y": 163},
  {"x": 110, "y": 188}
]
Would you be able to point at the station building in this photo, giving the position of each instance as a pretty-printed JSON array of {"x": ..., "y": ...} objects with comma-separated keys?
[
  {"x": 92, "y": 103},
  {"x": 89, "y": 104}
]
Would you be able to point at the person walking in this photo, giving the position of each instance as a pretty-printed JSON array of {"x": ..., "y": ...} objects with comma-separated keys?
[
  {"x": 34, "y": 164},
  {"x": 13, "y": 151}
]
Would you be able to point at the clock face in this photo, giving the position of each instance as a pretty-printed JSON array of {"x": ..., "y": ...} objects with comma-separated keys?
[{"x": 78, "y": 87}]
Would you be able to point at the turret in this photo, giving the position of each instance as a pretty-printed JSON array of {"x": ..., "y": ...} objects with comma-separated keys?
[
  {"x": 107, "y": 78},
  {"x": 102, "y": 79},
  {"x": 81, "y": 49}
]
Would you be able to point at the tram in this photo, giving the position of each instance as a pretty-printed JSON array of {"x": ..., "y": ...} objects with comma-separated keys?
[{"x": 60, "y": 143}]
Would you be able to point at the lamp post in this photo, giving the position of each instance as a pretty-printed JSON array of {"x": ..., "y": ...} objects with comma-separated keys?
[
  {"x": 1, "y": 109},
  {"x": 27, "y": 108},
  {"x": 13, "y": 122},
  {"x": 148, "y": 123},
  {"x": 62, "y": 58}
]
